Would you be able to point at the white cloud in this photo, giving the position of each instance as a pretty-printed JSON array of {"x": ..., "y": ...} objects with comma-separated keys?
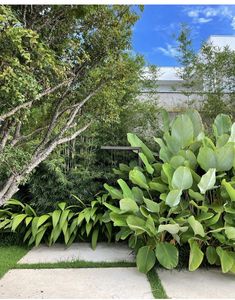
[
  {"x": 169, "y": 50},
  {"x": 203, "y": 20},
  {"x": 193, "y": 13},
  {"x": 203, "y": 15},
  {"x": 233, "y": 23}
]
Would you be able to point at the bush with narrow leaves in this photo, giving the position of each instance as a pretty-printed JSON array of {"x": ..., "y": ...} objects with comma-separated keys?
[{"x": 66, "y": 223}]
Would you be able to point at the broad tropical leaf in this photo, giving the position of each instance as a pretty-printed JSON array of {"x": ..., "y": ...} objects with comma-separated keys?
[
  {"x": 167, "y": 255},
  {"x": 196, "y": 255},
  {"x": 145, "y": 259},
  {"x": 182, "y": 178},
  {"x": 207, "y": 181}
]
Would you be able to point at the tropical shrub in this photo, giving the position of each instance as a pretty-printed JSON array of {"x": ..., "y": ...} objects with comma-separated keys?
[
  {"x": 184, "y": 194},
  {"x": 66, "y": 223}
]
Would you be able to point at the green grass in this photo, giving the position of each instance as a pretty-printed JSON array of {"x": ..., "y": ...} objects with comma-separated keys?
[
  {"x": 156, "y": 286},
  {"x": 75, "y": 264},
  {"x": 9, "y": 255}
]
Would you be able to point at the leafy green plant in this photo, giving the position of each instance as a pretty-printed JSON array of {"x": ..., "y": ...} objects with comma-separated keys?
[
  {"x": 184, "y": 194},
  {"x": 65, "y": 222}
]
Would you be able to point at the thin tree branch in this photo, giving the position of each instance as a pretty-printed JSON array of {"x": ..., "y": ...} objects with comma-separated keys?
[
  {"x": 29, "y": 103},
  {"x": 74, "y": 135}
]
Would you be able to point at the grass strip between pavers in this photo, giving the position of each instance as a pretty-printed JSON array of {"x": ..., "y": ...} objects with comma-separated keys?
[
  {"x": 76, "y": 264},
  {"x": 9, "y": 256},
  {"x": 156, "y": 285}
]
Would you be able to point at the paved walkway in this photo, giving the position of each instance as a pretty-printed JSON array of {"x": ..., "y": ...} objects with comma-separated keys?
[
  {"x": 198, "y": 284},
  {"x": 126, "y": 283},
  {"x": 82, "y": 251},
  {"x": 102, "y": 283}
]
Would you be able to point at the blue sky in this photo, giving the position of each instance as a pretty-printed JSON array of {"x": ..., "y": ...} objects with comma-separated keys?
[{"x": 153, "y": 34}]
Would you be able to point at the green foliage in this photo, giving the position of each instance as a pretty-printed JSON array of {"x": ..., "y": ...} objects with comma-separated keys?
[
  {"x": 210, "y": 76},
  {"x": 185, "y": 199},
  {"x": 62, "y": 68},
  {"x": 66, "y": 223}
]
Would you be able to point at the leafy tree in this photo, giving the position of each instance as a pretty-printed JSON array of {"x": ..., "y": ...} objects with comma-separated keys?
[
  {"x": 80, "y": 167},
  {"x": 59, "y": 69},
  {"x": 208, "y": 76}
]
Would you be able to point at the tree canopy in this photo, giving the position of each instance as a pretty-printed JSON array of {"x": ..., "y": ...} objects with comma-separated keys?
[{"x": 62, "y": 69}]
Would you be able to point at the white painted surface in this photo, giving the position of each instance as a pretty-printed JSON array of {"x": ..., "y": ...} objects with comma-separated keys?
[
  {"x": 78, "y": 251},
  {"x": 222, "y": 41},
  {"x": 198, "y": 284},
  {"x": 103, "y": 283}
]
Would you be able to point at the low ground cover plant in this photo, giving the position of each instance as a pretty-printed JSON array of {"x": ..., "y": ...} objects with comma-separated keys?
[{"x": 183, "y": 194}]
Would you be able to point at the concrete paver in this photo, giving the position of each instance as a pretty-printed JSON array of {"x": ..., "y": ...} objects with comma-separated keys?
[
  {"x": 198, "y": 284},
  {"x": 78, "y": 251},
  {"x": 106, "y": 283}
]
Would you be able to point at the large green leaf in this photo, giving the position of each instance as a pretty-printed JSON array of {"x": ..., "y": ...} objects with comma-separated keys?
[
  {"x": 232, "y": 135},
  {"x": 145, "y": 259},
  {"x": 136, "y": 142},
  {"x": 152, "y": 206},
  {"x": 138, "y": 178},
  {"x": 230, "y": 190},
  {"x": 14, "y": 202},
  {"x": 138, "y": 194},
  {"x": 230, "y": 232},
  {"x": 156, "y": 186},
  {"x": 39, "y": 236},
  {"x": 225, "y": 157},
  {"x": 136, "y": 224},
  {"x": 171, "y": 228},
  {"x": 173, "y": 198},
  {"x": 182, "y": 178},
  {"x": 172, "y": 144},
  {"x": 55, "y": 217},
  {"x": 196, "y": 226},
  {"x": 55, "y": 233},
  {"x": 182, "y": 130},
  {"x": 168, "y": 171},
  {"x": 118, "y": 220},
  {"x": 226, "y": 259},
  {"x": 42, "y": 219},
  {"x": 128, "y": 205},
  {"x": 207, "y": 158},
  {"x": 222, "y": 124},
  {"x": 63, "y": 218},
  {"x": 94, "y": 238},
  {"x": 207, "y": 181},
  {"x": 62, "y": 205},
  {"x": 164, "y": 153},
  {"x": 167, "y": 255},
  {"x": 112, "y": 208},
  {"x": 34, "y": 226},
  {"x": 196, "y": 121},
  {"x": 114, "y": 193},
  {"x": 127, "y": 193},
  {"x": 211, "y": 255},
  {"x": 196, "y": 255},
  {"x": 17, "y": 219},
  {"x": 195, "y": 195},
  {"x": 144, "y": 159},
  {"x": 177, "y": 161}
]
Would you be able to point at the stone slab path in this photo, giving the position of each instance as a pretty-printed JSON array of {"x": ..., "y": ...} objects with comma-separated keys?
[
  {"x": 102, "y": 283},
  {"x": 79, "y": 251},
  {"x": 198, "y": 284},
  {"x": 107, "y": 283}
]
